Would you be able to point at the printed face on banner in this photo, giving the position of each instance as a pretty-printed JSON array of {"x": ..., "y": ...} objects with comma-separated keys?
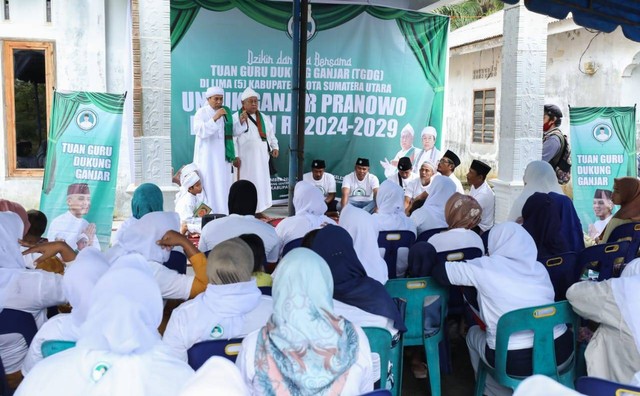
[
  {"x": 86, "y": 120},
  {"x": 79, "y": 204}
]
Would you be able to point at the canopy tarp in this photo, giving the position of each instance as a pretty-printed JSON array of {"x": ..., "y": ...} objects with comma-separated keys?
[{"x": 603, "y": 15}]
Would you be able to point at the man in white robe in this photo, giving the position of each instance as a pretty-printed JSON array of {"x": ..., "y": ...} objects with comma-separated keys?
[
  {"x": 481, "y": 191},
  {"x": 255, "y": 141},
  {"x": 210, "y": 153},
  {"x": 69, "y": 225},
  {"x": 429, "y": 150},
  {"x": 407, "y": 149}
]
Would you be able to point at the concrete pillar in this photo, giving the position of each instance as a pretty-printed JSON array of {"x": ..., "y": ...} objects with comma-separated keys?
[
  {"x": 524, "y": 60},
  {"x": 152, "y": 96}
]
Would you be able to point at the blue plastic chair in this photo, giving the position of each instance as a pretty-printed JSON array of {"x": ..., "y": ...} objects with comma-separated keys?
[
  {"x": 592, "y": 386},
  {"x": 14, "y": 321},
  {"x": 377, "y": 392},
  {"x": 485, "y": 240},
  {"x": 563, "y": 272},
  {"x": 541, "y": 320},
  {"x": 414, "y": 291},
  {"x": 607, "y": 259},
  {"x": 265, "y": 290},
  {"x": 627, "y": 232},
  {"x": 391, "y": 241},
  {"x": 177, "y": 262},
  {"x": 425, "y": 235},
  {"x": 51, "y": 347},
  {"x": 199, "y": 353},
  {"x": 460, "y": 254},
  {"x": 289, "y": 246}
]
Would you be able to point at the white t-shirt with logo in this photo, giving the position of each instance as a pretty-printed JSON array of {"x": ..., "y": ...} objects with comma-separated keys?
[
  {"x": 361, "y": 190},
  {"x": 326, "y": 184},
  {"x": 415, "y": 188}
]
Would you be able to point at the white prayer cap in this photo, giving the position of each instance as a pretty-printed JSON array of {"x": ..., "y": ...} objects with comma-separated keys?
[
  {"x": 187, "y": 180},
  {"x": 430, "y": 165},
  {"x": 430, "y": 131},
  {"x": 188, "y": 168},
  {"x": 249, "y": 93},
  {"x": 211, "y": 91},
  {"x": 408, "y": 129}
]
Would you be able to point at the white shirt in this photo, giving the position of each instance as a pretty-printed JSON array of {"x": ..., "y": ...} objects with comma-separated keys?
[
  {"x": 458, "y": 183},
  {"x": 456, "y": 239},
  {"x": 235, "y": 225},
  {"x": 359, "y": 380},
  {"x": 32, "y": 291},
  {"x": 360, "y": 190},
  {"x": 68, "y": 227},
  {"x": 185, "y": 206},
  {"x": 415, "y": 188},
  {"x": 487, "y": 200},
  {"x": 56, "y": 328},
  {"x": 297, "y": 226},
  {"x": 326, "y": 184},
  {"x": 173, "y": 286},
  {"x": 405, "y": 182}
]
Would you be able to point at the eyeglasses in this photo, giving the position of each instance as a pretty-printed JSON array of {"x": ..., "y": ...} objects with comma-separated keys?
[{"x": 446, "y": 161}]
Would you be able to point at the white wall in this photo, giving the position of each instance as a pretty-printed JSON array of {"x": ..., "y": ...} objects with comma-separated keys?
[
  {"x": 90, "y": 53},
  {"x": 565, "y": 84}
]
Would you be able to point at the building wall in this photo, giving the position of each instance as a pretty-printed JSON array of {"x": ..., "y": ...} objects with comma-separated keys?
[
  {"x": 91, "y": 53},
  {"x": 565, "y": 85}
]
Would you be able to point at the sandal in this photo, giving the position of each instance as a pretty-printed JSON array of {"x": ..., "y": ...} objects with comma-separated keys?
[{"x": 420, "y": 370}]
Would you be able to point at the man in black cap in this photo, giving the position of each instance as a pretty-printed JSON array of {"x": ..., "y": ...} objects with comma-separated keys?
[
  {"x": 447, "y": 165},
  {"x": 325, "y": 181},
  {"x": 404, "y": 174},
  {"x": 480, "y": 190},
  {"x": 552, "y": 138},
  {"x": 359, "y": 188}
]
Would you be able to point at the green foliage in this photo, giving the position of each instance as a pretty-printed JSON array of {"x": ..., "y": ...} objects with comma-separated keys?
[
  {"x": 28, "y": 111},
  {"x": 469, "y": 11}
]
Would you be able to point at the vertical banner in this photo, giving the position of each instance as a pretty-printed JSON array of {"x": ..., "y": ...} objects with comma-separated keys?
[
  {"x": 78, "y": 190},
  {"x": 603, "y": 144},
  {"x": 371, "y": 71}
]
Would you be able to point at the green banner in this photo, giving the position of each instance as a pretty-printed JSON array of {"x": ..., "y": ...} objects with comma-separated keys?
[
  {"x": 78, "y": 190},
  {"x": 603, "y": 147},
  {"x": 370, "y": 72}
]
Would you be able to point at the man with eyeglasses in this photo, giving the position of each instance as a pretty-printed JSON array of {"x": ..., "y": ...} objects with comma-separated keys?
[
  {"x": 447, "y": 165},
  {"x": 256, "y": 141}
]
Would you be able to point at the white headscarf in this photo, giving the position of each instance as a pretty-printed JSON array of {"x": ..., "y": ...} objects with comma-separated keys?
[
  {"x": 540, "y": 384},
  {"x": 309, "y": 201},
  {"x": 218, "y": 376},
  {"x": 364, "y": 231},
  {"x": 539, "y": 176},
  {"x": 126, "y": 310},
  {"x": 249, "y": 93},
  {"x": 626, "y": 291},
  {"x": 11, "y": 228},
  {"x": 79, "y": 280},
  {"x": 442, "y": 188},
  {"x": 211, "y": 91},
  {"x": 142, "y": 235},
  {"x": 390, "y": 202}
]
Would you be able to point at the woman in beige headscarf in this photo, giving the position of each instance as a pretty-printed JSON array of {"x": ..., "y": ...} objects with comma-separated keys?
[
  {"x": 626, "y": 193},
  {"x": 462, "y": 213}
]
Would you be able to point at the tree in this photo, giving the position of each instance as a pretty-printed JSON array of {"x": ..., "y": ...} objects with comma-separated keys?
[{"x": 469, "y": 11}]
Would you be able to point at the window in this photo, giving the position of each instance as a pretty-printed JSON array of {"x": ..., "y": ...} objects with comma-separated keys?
[
  {"x": 28, "y": 82},
  {"x": 484, "y": 112}
]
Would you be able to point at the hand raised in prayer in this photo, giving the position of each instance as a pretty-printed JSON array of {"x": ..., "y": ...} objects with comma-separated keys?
[
  {"x": 173, "y": 238},
  {"x": 50, "y": 249},
  {"x": 237, "y": 162},
  {"x": 90, "y": 232},
  {"x": 221, "y": 112},
  {"x": 243, "y": 117},
  {"x": 274, "y": 153}
]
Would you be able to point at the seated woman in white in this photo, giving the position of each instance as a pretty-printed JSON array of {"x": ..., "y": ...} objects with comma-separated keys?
[
  {"x": 218, "y": 376},
  {"x": 153, "y": 236},
  {"x": 231, "y": 306},
  {"x": 509, "y": 278},
  {"x": 21, "y": 289},
  {"x": 462, "y": 213},
  {"x": 431, "y": 214},
  {"x": 306, "y": 348},
  {"x": 391, "y": 217},
  {"x": 119, "y": 350},
  {"x": 310, "y": 207},
  {"x": 539, "y": 176},
  {"x": 364, "y": 232},
  {"x": 79, "y": 280}
]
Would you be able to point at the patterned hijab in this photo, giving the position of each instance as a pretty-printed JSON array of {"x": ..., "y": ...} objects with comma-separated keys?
[
  {"x": 462, "y": 211},
  {"x": 147, "y": 198},
  {"x": 628, "y": 191},
  {"x": 304, "y": 349}
]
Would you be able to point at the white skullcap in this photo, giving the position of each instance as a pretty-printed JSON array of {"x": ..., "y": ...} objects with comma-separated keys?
[
  {"x": 407, "y": 129},
  {"x": 249, "y": 93},
  {"x": 430, "y": 164},
  {"x": 211, "y": 91},
  {"x": 187, "y": 180},
  {"x": 430, "y": 131}
]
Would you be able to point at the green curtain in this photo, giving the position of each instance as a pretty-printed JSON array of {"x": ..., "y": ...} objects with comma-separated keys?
[
  {"x": 623, "y": 121},
  {"x": 65, "y": 106}
]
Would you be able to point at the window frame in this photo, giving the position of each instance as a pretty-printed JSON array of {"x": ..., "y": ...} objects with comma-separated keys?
[
  {"x": 9, "y": 99},
  {"x": 473, "y": 113}
]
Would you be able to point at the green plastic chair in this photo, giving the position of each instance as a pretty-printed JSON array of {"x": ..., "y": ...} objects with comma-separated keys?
[
  {"x": 382, "y": 343},
  {"x": 51, "y": 347},
  {"x": 541, "y": 319},
  {"x": 414, "y": 291}
]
